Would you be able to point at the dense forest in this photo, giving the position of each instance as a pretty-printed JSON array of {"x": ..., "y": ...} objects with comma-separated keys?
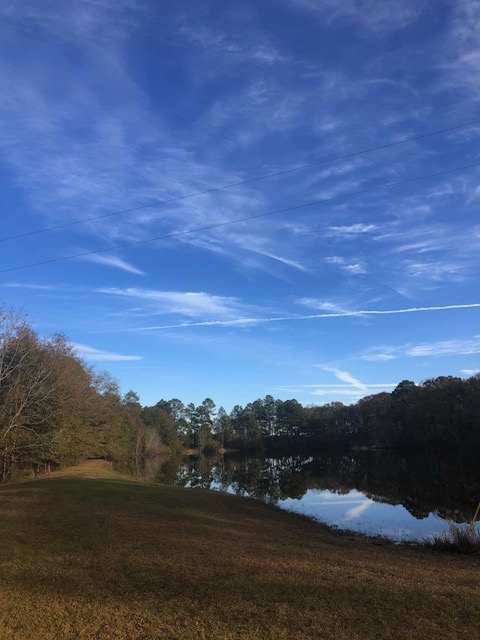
[
  {"x": 441, "y": 413},
  {"x": 56, "y": 410}
]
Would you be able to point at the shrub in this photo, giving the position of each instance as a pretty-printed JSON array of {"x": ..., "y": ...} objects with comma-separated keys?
[{"x": 458, "y": 539}]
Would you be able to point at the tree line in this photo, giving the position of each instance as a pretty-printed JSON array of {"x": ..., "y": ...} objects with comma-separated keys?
[
  {"x": 56, "y": 410},
  {"x": 440, "y": 413}
]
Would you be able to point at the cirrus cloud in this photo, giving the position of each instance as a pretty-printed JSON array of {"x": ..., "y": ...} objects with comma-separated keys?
[{"x": 98, "y": 355}]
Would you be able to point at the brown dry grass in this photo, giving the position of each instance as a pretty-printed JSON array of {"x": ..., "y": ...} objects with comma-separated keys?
[
  {"x": 108, "y": 558},
  {"x": 458, "y": 539}
]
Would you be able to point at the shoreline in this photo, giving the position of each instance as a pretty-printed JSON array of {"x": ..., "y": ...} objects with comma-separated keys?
[{"x": 88, "y": 553}]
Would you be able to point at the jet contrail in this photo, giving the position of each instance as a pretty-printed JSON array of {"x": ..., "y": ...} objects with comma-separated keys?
[{"x": 314, "y": 316}]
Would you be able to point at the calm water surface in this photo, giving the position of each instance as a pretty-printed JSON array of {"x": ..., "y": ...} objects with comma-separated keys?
[{"x": 375, "y": 494}]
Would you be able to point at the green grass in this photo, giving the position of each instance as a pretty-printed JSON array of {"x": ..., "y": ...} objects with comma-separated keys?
[{"x": 92, "y": 555}]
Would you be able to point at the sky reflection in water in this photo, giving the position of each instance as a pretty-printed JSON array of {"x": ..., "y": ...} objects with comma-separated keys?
[
  {"x": 390, "y": 496},
  {"x": 356, "y": 512}
]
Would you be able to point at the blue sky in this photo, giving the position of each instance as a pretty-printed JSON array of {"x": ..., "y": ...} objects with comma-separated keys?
[{"x": 110, "y": 105}]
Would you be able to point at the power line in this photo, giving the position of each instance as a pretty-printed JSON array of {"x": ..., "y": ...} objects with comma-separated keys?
[
  {"x": 241, "y": 182},
  {"x": 245, "y": 219}
]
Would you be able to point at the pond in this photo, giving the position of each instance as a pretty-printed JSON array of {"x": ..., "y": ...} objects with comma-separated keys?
[{"x": 403, "y": 498}]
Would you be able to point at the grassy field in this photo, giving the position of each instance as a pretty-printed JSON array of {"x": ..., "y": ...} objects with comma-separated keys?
[{"x": 90, "y": 554}]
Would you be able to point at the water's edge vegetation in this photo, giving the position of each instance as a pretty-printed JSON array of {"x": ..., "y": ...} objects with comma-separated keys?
[{"x": 55, "y": 410}]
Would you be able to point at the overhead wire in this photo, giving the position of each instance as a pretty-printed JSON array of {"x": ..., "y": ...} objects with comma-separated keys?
[
  {"x": 241, "y": 182},
  {"x": 218, "y": 225}
]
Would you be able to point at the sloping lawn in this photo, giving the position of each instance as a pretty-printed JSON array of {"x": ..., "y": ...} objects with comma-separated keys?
[{"x": 94, "y": 555}]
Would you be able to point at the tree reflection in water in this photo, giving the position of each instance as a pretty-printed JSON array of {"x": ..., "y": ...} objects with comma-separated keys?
[{"x": 448, "y": 487}]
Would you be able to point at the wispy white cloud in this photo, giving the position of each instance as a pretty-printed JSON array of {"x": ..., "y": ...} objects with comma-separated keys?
[
  {"x": 113, "y": 261},
  {"x": 261, "y": 251},
  {"x": 354, "y": 268},
  {"x": 357, "y": 268},
  {"x": 336, "y": 170},
  {"x": 425, "y": 255},
  {"x": 332, "y": 389},
  {"x": 333, "y": 392},
  {"x": 323, "y": 305},
  {"x": 286, "y": 261},
  {"x": 445, "y": 347},
  {"x": 98, "y": 355},
  {"x": 215, "y": 42},
  {"x": 246, "y": 321},
  {"x": 89, "y": 133},
  {"x": 379, "y": 354},
  {"x": 416, "y": 237},
  {"x": 344, "y": 376},
  {"x": 350, "y": 393},
  {"x": 425, "y": 349},
  {"x": 253, "y": 113},
  {"x": 470, "y": 372},
  {"x": 376, "y": 385},
  {"x": 122, "y": 151},
  {"x": 31, "y": 285},
  {"x": 461, "y": 62},
  {"x": 187, "y": 303},
  {"x": 436, "y": 271},
  {"x": 377, "y": 17},
  {"x": 352, "y": 230},
  {"x": 64, "y": 173},
  {"x": 78, "y": 20}
]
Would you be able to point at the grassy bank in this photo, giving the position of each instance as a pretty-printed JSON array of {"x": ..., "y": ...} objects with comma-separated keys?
[{"x": 93, "y": 555}]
